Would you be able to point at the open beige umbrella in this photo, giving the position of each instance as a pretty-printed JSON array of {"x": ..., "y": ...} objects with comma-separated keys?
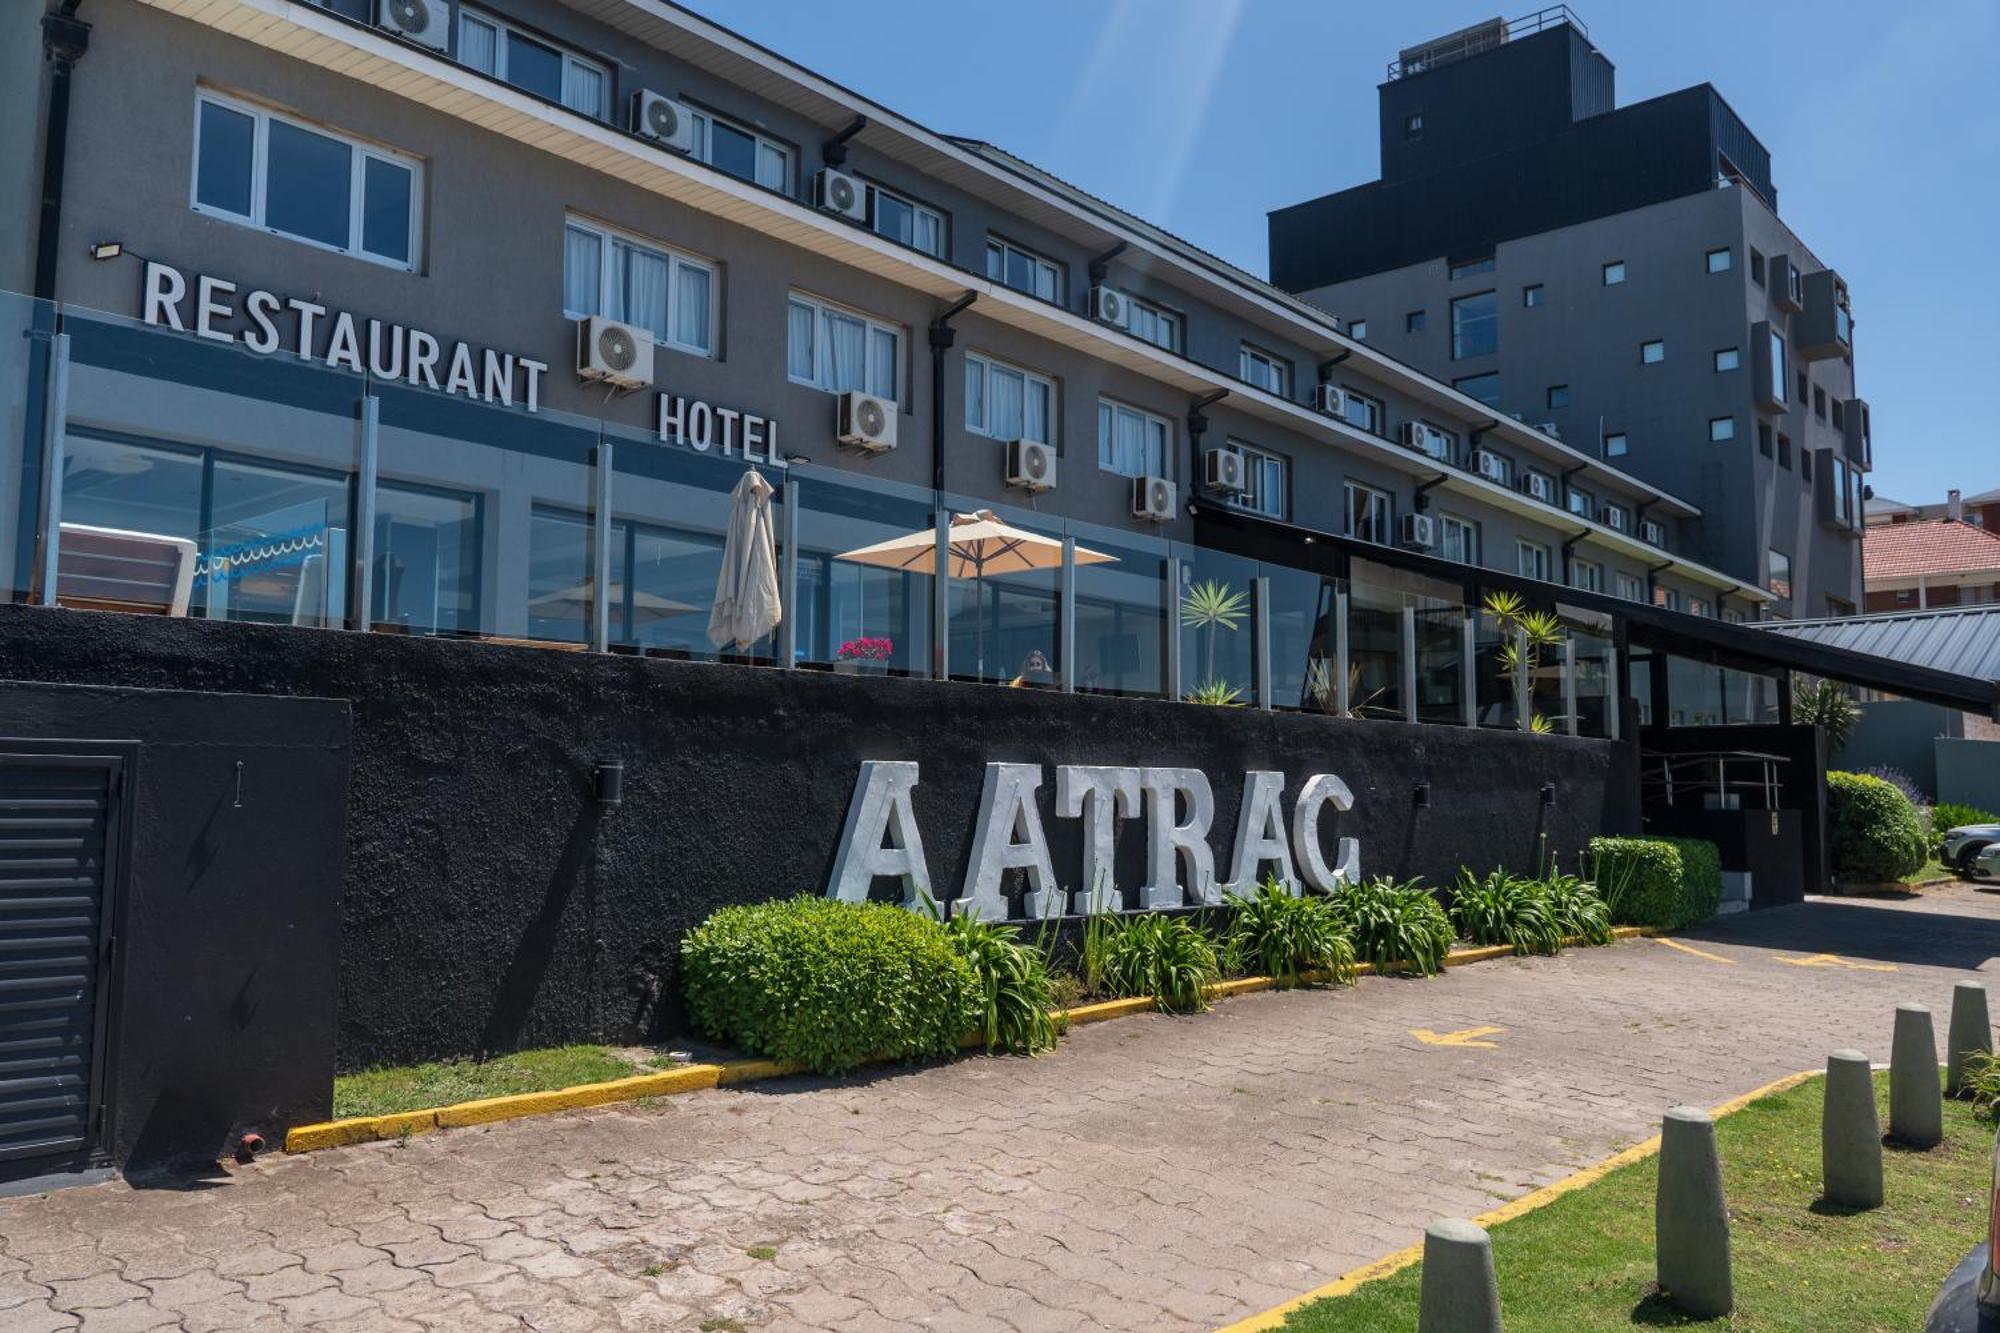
[{"x": 978, "y": 544}]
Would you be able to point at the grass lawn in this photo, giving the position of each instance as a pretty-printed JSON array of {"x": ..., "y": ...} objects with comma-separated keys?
[
  {"x": 419, "y": 1087},
  {"x": 1586, "y": 1260},
  {"x": 1930, "y": 870}
]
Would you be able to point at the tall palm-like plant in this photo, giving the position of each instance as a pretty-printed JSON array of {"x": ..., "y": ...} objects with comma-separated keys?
[
  {"x": 1213, "y": 605},
  {"x": 1827, "y": 705},
  {"x": 1526, "y": 636}
]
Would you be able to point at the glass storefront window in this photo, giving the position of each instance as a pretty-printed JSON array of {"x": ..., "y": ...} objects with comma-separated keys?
[
  {"x": 275, "y": 549},
  {"x": 1303, "y": 645},
  {"x": 1441, "y": 683},
  {"x": 1595, "y": 685},
  {"x": 424, "y": 578},
  {"x": 1217, "y": 627},
  {"x": 1121, "y": 614},
  {"x": 1497, "y": 687},
  {"x": 559, "y": 584},
  {"x": 857, "y": 616},
  {"x": 1376, "y": 597}
]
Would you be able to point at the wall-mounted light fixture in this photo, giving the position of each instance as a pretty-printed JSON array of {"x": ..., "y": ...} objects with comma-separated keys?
[
  {"x": 1422, "y": 795},
  {"x": 102, "y": 250},
  {"x": 611, "y": 782},
  {"x": 1548, "y": 793}
]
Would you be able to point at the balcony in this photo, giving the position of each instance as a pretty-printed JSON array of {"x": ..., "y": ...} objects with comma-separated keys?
[
  {"x": 1825, "y": 328},
  {"x": 1857, "y": 433},
  {"x": 1837, "y": 496},
  {"x": 1787, "y": 285}
]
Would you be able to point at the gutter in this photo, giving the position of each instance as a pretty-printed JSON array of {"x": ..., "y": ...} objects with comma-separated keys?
[{"x": 942, "y": 335}]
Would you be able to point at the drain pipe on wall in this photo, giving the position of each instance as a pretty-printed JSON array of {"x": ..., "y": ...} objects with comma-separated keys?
[
  {"x": 65, "y": 38},
  {"x": 942, "y": 337},
  {"x": 1197, "y": 424}
]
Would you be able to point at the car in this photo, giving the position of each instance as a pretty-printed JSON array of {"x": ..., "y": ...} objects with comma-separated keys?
[
  {"x": 1970, "y": 1300},
  {"x": 1966, "y": 841},
  {"x": 1984, "y": 867}
]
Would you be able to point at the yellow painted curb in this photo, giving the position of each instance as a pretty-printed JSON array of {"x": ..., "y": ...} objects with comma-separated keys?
[
  {"x": 696, "y": 1078},
  {"x": 1391, "y": 1264}
]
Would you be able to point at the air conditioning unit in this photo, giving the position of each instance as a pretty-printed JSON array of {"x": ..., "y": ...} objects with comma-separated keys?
[
  {"x": 1489, "y": 465},
  {"x": 1419, "y": 531},
  {"x": 1415, "y": 435},
  {"x": 615, "y": 353},
  {"x": 838, "y": 192},
  {"x": 1222, "y": 470},
  {"x": 1329, "y": 399},
  {"x": 1031, "y": 465},
  {"x": 426, "y": 22},
  {"x": 1653, "y": 532},
  {"x": 1550, "y": 428},
  {"x": 867, "y": 422},
  {"x": 1107, "y": 304},
  {"x": 1153, "y": 499},
  {"x": 663, "y": 120},
  {"x": 1539, "y": 487},
  {"x": 1613, "y": 517}
]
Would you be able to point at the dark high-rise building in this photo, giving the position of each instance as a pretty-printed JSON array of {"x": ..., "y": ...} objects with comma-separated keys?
[{"x": 1619, "y": 275}]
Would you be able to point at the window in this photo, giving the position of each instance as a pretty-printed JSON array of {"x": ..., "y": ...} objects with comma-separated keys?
[
  {"x": 1156, "y": 324},
  {"x": 1615, "y": 516},
  {"x": 1361, "y": 410},
  {"x": 1757, "y": 268},
  {"x": 1008, "y": 403},
  {"x": 1558, "y": 395},
  {"x": 491, "y": 46},
  {"x": 1485, "y": 388},
  {"x": 1839, "y": 415},
  {"x": 1465, "y": 268},
  {"x": 265, "y": 170},
  {"x": 1413, "y": 125},
  {"x": 1726, "y": 359},
  {"x": 1805, "y": 465},
  {"x": 1804, "y": 388},
  {"x": 837, "y": 350},
  {"x": 1440, "y": 443},
  {"x": 1719, "y": 260},
  {"x": 1779, "y": 375},
  {"x": 741, "y": 152},
  {"x": 1370, "y": 513},
  {"x": 1533, "y": 295},
  {"x": 1414, "y": 322},
  {"x": 1011, "y": 266},
  {"x": 1630, "y": 587},
  {"x": 1131, "y": 443},
  {"x": 1264, "y": 481},
  {"x": 1699, "y": 607},
  {"x": 1458, "y": 539},
  {"x": 1533, "y": 560},
  {"x": 1785, "y": 452},
  {"x": 1357, "y": 329},
  {"x": 616, "y": 276},
  {"x": 1582, "y": 503},
  {"x": 1616, "y": 445},
  {"x": 1475, "y": 326},
  {"x": 1721, "y": 428},
  {"x": 906, "y": 222},
  {"x": 1614, "y": 273},
  {"x": 1764, "y": 439},
  {"x": 1667, "y": 598},
  {"x": 1586, "y": 575},
  {"x": 1652, "y": 352},
  {"x": 1264, "y": 370},
  {"x": 1819, "y": 402},
  {"x": 1780, "y": 582}
]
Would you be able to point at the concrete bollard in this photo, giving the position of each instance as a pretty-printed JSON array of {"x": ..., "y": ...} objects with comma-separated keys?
[
  {"x": 1916, "y": 1103},
  {"x": 1971, "y": 1031},
  {"x": 1459, "y": 1292},
  {"x": 1690, "y": 1219},
  {"x": 1850, "y": 1134}
]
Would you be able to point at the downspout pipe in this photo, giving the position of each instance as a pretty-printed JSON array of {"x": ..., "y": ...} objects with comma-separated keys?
[
  {"x": 1197, "y": 426},
  {"x": 942, "y": 336},
  {"x": 65, "y": 38},
  {"x": 834, "y": 151},
  {"x": 1421, "y": 499}
]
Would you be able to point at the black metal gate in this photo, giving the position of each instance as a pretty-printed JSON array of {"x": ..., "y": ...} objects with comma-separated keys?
[{"x": 61, "y": 820}]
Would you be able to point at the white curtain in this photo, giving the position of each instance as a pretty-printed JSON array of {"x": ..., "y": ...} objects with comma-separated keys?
[
  {"x": 1035, "y": 421},
  {"x": 800, "y": 323},
  {"x": 846, "y": 352},
  {"x": 644, "y": 288},
  {"x": 581, "y": 272},
  {"x": 583, "y": 88},
  {"x": 478, "y": 43},
  {"x": 975, "y": 395},
  {"x": 1008, "y": 398},
  {"x": 882, "y": 363},
  {"x": 691, "y": 305}
]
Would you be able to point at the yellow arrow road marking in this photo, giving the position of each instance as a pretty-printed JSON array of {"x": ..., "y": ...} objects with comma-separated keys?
[
  {"x": 1467, "y": 1037},
  {"x": 1689, "y": 948},
  {"x": 1835, "y": 960}
]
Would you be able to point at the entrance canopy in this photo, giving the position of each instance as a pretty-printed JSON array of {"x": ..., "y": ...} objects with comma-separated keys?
[{"x": 1958, "y": 641}]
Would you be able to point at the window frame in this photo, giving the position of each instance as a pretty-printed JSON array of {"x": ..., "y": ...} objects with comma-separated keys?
[
  {"x": 1595, "y": 581},
  {"x": 360, "y": 153},
  {"x": 1170, "y": 319},
  {"x": 571, "y": 59},
  {"x": 703, "y": 148},
  {"x": 1538, "y": 554},
  {"x": 1250, "y": 354},
  {"x": 1357, "y": 329},
  {"x": 1624, "y": 448},
  {"x": 942, "y": 218},
  {"x": 1571, "y": 494},
  {"x": 1415, "y": 321},
  {"x": 1376, "y": 499},
  {"x": 1645, "y": 359},
  {"x": 988, "y": 364},
  {"x": 871, "y": 325},
  {"x": 1735, "y": 355},
  {"x": 1728, "y": 259},
  {"x": 1550, "y": 400},
  {"x": 1060, "y": 272},
  {"x": 1534, "y": 296},
  {"x": 1470, "y": 268},
  {"x": 1167, "y": 441},
  {"x": 1377, "y": 410},
  {"x": 1468, "y": 542},
  {"x": 1458, "y": 352},
  {"x": 1253, "y": 454},
  {"x": 1726, "y": 425},
  {"x": 676, "y": 258},
  {"x": 1628, "y": 587},
  {"x": 1606, "y": 271}
]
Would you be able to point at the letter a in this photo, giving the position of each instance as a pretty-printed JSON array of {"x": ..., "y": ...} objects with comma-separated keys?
[
  {"x": 881, "y": 809},
  {"x": 1008, "y": 837},
  {"x": 1260, "y": 835}
]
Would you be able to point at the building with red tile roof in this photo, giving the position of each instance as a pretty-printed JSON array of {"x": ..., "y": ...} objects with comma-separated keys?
[{"x": 1924, "y": 563}]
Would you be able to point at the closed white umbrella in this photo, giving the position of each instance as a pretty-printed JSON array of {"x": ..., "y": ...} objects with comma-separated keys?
[{"x": 746, "y": 592}]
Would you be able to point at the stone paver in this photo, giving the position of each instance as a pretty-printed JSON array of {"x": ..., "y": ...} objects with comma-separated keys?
[{"x": 1154, "y": 1173}]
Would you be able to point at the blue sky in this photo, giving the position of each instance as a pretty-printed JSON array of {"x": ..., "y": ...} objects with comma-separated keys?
[{"x": 1202, "y": 114}]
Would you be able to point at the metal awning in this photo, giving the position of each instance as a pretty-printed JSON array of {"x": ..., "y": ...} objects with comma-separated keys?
[{"x": 1962, "y": 640}]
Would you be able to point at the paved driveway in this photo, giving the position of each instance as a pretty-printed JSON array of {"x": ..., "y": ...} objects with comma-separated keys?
[{"x": 1154, "y": 1173}]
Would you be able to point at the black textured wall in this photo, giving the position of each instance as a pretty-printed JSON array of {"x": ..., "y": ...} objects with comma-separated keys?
[
  {"x": 489, "y": 904},
  {"x": 222, "y": 1013}
]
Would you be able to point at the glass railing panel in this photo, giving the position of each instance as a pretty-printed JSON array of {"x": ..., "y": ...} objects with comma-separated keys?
[
  {"x": 1440, "y": 645},
  {"x": 865, "y": 553},
  {"x": 1122, "y": 609},
  {"x": 26, "y": 327},
  {"x": 1595, "y": 683},
  {"x": 1216, "y": 617},
  {"x": 1496, "y": 684},
  {"x": 1004, "y": 602},
  {"x": 1303, "y": 642}
]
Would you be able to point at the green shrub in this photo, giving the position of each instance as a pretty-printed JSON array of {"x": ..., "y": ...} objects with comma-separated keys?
[
  {"x": 1949, "y": 815},
  {"x": 1278, "y": 935},
  {"x": 1501, "y": 909},
  {"x": 1160, "y": 956},
  {"x": 1873, "y": 831},
  {"x": 1579, "y": 912},
  {"x": 1395, "y": 925},
  {"x": 829, "y": 983},
  {"x": 1666, "y": 882},
  {"x": 1015, "y": 991}
]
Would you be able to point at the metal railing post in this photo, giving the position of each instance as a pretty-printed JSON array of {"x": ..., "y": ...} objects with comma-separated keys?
[
  {"x": 1469, "y": 667},
  {"x": 1569, "y": 683},
  {"x": 788, "y": 577},
  {"x": 1342, "y": 703},
  {"x": 1260, "y": 633},
  {"x": 55, "y": 433},
  {"x": 1523, "y": 691},
  {"x": 941, "y": 598},
  {"x": 1409, "y": 628},
  {"x": 1066, "y": 618},
  {"x": 1173, "y": 618},
  {"x": 600, "y": 551},
  {"x": 1614, "y": 701},
  {"x": 363, "y": 614}
]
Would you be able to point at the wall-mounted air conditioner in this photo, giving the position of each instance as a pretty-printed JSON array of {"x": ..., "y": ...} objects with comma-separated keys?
[
  {"x": 867, "y": 422},
  {"x": 1489, "y": 465},
  {"x": 663, "y": 120},
  {"x": 615, "y": 353},
  {"x": 1419, "y": 532},
  {"x": 1222, "y": 470},
  {"x": 1539, "y": 487},
  {"x": 1031, "y": 465},
  {"x": 838, "y": 192},
  {"x": 1153, "y": 499},
  {"x": 1328, "y": 398},
  {"x": 1613, "y": 517},
  {"x": 426, "y": 22},
  {"x": 1108, "y": 306},
  {"x": 1653, "y": 532}
]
